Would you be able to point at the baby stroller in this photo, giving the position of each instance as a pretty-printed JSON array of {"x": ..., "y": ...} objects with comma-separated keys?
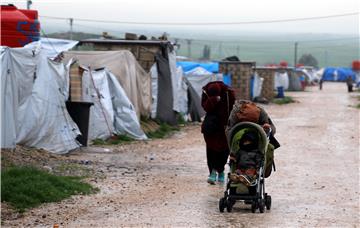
[{"x": 241, "y": 186}]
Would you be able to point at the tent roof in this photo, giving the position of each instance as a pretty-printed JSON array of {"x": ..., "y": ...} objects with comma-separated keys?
[
  {"x": 188, "y": 66},
  {"x": 342, "y": 73}
]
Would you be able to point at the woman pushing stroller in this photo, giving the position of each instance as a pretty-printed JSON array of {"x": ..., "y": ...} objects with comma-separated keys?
[
  {"x": 250, "y": 134},
  {"x": 247, "y": 111}
]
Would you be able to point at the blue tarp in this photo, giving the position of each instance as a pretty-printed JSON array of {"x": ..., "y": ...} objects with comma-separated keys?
[
  {"x": 227, "y": 79},
  {"x": 212, "y": 67},
  {"x": 338, "y": 74},
  {"x": 187, "y": 66}
]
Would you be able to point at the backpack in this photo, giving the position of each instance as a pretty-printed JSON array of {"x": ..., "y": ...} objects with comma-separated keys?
[{"x": 246, "y": 111}]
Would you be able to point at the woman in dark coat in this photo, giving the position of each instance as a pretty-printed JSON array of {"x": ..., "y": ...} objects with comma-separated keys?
[{"x": 217, "y": 100}]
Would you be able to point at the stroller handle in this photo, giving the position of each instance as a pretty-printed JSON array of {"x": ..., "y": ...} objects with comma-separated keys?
[{"x": 268, "y": 133}]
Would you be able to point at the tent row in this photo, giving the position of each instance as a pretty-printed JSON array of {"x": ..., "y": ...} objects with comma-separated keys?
[
  {"x": 42, "y": 91},
  {"x": 35, "y": 93}
]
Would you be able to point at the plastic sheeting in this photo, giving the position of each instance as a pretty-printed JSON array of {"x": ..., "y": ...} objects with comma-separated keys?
[
  {"x": 95, "y": 87},
  {"x": 338, "y": 74},
  {"x": 132, "y": 77},
  {"x": 182, "y": 91},
  {"x": 199, "y": 77},
  {"x": 175, "y": 80},
  {"x": 154, "y": 90},
  {"x": 112, "y": 111},
  {"x": 35, "y": 90},
  {"x": 188, "y": 66},
  {"x": 357, "y": 79},
  {"x": 53, "y": 47},
  {"x": 9, "y": 101},
  {"x": 195, "y": 111},
  {"x": 164, "y": 109},
  {"x": 179, "y": 91},
  {"x": 281, "y": 80},
  {"x": 295, "y": 80},
  {"x": 257, "y": 86}
]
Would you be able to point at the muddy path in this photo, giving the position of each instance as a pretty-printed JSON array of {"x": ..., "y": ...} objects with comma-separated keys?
[{"x": 163, "y": 182}]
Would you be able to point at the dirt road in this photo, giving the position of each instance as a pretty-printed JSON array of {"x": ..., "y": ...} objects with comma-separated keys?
[{"x": 163, "y": 182}]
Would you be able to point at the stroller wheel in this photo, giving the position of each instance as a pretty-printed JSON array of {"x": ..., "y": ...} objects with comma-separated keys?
[
  {"x": 229, "y": 205},
  {"x": 268, "y": 202},
  {"x": 222, "y": 205},
  {"x": 253, "y": 207},
  {"x": 261, "y": 206}
]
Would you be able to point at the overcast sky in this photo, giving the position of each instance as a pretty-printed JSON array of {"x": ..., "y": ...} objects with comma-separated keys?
[{"x": 199, "y": 11}]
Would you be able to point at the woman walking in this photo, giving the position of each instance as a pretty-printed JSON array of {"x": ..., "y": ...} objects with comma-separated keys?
[{"x": 217, "y": 100}]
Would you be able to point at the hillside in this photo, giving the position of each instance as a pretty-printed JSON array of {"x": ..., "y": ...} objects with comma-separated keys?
[{"x": 267, "y": 49}]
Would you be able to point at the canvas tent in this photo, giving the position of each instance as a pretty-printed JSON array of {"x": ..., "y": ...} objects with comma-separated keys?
[
  {"x": 187, "y": 66},
  {"x": 199, "y": 77},
  {"x": 338, "y": 74},
  {"x": 193, "y": 81},
  {"x": 112, "y": 111},
  {"x": 281, "y": 80},
  {"x": 133, "y": 79},
  {"x": 256, "y": 84},
  {"x": 52, "y": 47},
  {"x": 33, "y": 95},
  {"x": 147, "y": 53},
  {"x": 295, "y": 80}
]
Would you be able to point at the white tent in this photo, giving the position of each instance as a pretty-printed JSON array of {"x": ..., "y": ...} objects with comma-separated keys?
[
  {"x": 132, "y": 77},
  {"x": 112, "y": 111},
  {"x": 257, "y": 86},
  {"x": 33, "y": 94},
  {"x": 52, "y": 46},
  {"x": 199, "y": 77},
  {"x": 281, "y": 80},
  {"x": 34, "y": 89}
]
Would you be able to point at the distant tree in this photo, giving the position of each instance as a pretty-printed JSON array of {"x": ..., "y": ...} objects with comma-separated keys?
[{"x": 308, "y": 60}]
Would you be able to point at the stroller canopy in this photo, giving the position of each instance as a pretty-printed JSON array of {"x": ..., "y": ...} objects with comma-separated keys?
[{"x": 238, "y": 131}]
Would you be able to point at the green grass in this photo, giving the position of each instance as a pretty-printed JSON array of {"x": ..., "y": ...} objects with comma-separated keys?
[
  {"x": 358, "y": 106},
  {"x": 163, "y": 131},
  {"x": 27, "y": 187},
  {"x": 114, "y": 140},
  {"x": 282, "y": 101}
]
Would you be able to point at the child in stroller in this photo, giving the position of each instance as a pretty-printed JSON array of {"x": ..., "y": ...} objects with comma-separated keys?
[{"x": 246, "y": 181}]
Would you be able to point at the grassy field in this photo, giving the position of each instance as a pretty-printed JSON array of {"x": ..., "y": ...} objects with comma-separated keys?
[
  {"x": 27, "y": 187},
  {"x": 329, "y": 50},
  {"x": 328, "y": 53}
]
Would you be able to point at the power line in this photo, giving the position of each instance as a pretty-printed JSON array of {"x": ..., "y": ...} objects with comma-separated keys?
[
  {"x": 209, "y": 23},
  {"x": 255, "y": 42}
]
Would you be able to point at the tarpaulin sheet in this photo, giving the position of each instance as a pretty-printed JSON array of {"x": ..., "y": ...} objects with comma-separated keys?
[
  {"x": 188, "y": 66},
  {"x": 112, "y": 111},
  {"x": 164, "y": 110},
  {"x": 338, "y": 74},
  {"x": 132, "y": 77},
  {"x": 195, "y": 109},
  {"x": 175, "y": 80},
  {"x": 199, "y": 77},
  {"x": 35, "y": 93},
  {"x": 294, "y": 81},
  {"x": 53, "y": 47},
  {"x": 154, "y": 90},
  {"x": 256, "y": 87},
  {"x": 281, "y": 80},
  {"x": 182, "y": 91}
]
